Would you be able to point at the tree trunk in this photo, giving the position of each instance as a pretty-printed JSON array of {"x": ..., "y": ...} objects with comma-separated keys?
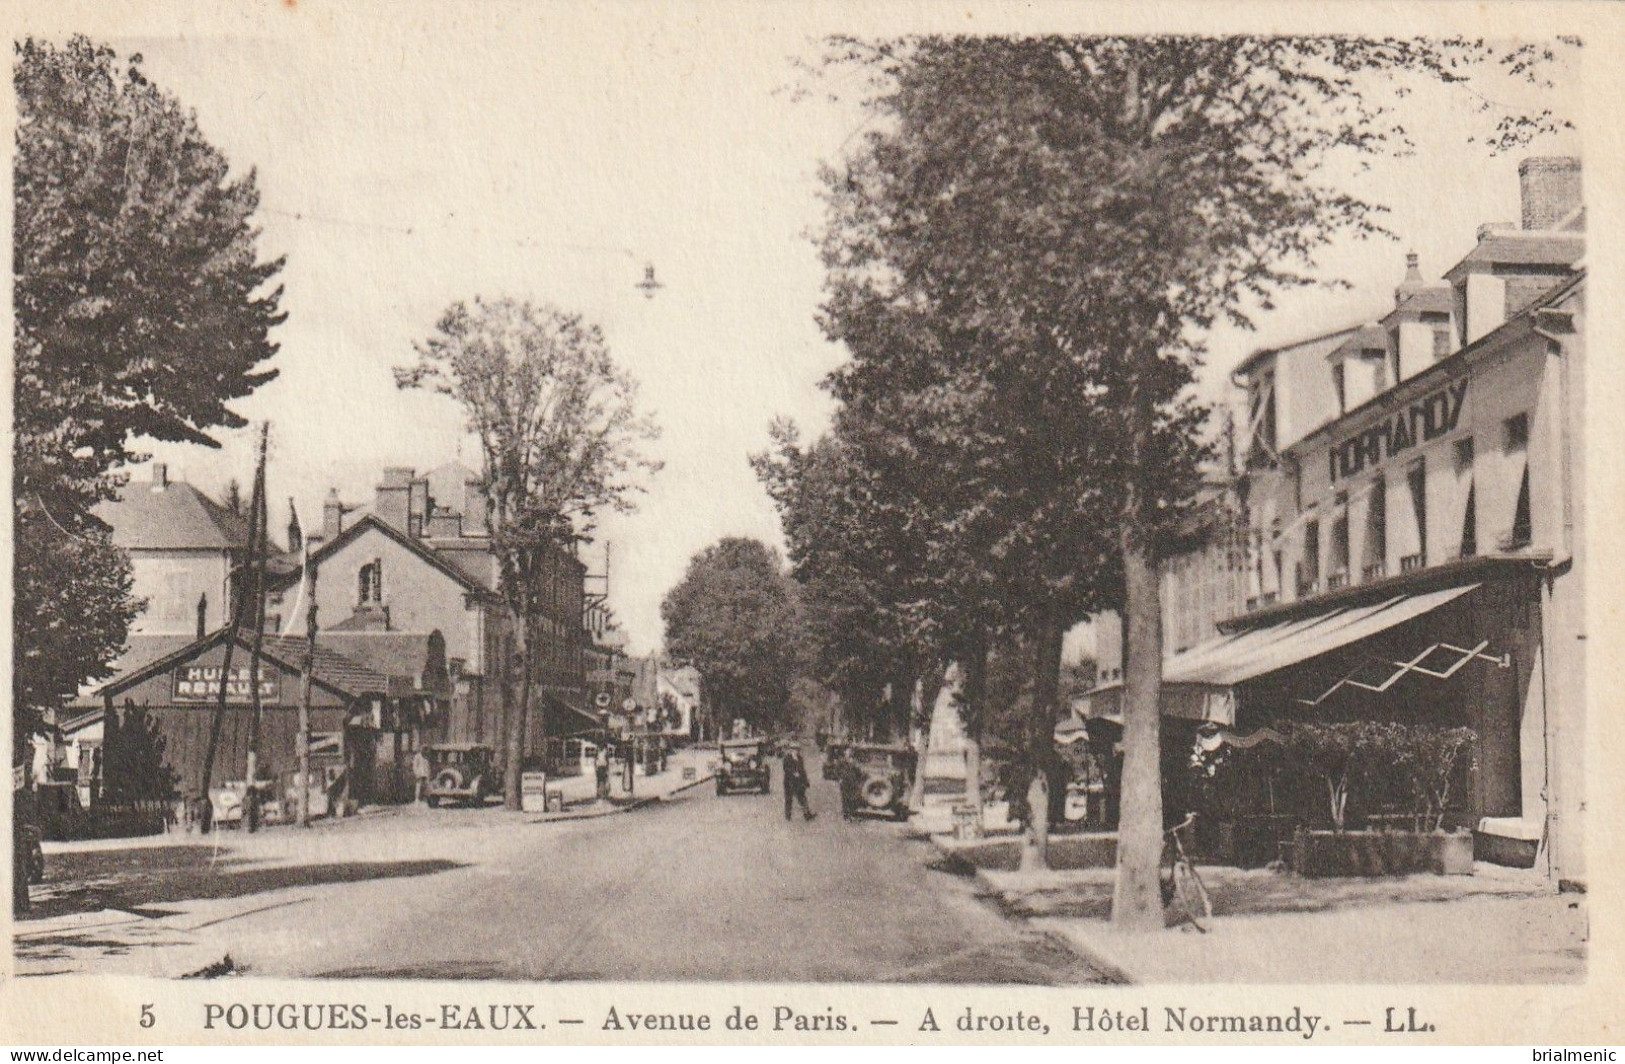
[
  {"x": 1046, "y": 646},
  {"x": 931, "y": 689},
  {"x": 518, "y": 708},
  {"x": 1137, "y": 901},
  {"x": 975, "y": 690}
]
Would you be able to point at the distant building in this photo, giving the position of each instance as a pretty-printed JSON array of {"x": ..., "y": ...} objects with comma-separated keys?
[
  {"x": 183, "y": 547},
  {"x": 414, "y": 562}
]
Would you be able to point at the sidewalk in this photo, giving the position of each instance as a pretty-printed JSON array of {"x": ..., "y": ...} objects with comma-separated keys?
[{"x": 1499, "y": 925}]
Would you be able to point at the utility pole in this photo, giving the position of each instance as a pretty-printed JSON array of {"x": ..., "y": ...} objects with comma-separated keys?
[
  {"x": 233, "y": 627},
  {"x": 251, "y": 805},
  {"x": 304, "y": 689}
]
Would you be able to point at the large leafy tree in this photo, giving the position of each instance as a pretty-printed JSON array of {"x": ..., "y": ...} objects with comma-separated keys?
[
  {"x": 143, "y": 309},
  {"x": 562, "y": 439},
  {"x": 1075, "y": 213},
  {"x": 733, "y": 617}
]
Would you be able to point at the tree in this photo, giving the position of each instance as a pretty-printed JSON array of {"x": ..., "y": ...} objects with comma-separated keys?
[
  {"x": 1081, "y": 210},
  {"x": 142, "y": 308},
  {"x": 733, "y": 617},
  {"x": 562, "y": 441}
]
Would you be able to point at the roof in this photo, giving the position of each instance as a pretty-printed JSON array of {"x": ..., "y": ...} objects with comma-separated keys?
[
  {"x": 1522, "y": 247},
  {"x": 331, "y": 670},
  {"x": 1452, "y": 362},
  {"x": 1435, "y": 298},
  {"x": 371, "y": 521},
  {"x": 402, "y": 656},
  {"x": 173, "y": 516},
  {"x": 1327, "y": 338}
]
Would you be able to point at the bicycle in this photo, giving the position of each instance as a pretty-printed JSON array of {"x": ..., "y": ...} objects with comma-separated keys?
[{"x": 1181, "y": 885}]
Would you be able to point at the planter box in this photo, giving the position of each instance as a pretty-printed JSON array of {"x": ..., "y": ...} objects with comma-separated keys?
[
  {"x": 1251, "y": 842},
  {"x": 1381, "y": 853},
  {"x": 1087, "y": 850}
]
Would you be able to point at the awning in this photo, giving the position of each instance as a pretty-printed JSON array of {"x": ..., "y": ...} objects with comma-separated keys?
[
  {"x": 1197, "y": 684},
  {"x": 1234, "y": 659}
]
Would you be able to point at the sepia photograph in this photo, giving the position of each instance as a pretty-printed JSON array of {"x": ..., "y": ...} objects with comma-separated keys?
[{"x": 660, "y": 494}]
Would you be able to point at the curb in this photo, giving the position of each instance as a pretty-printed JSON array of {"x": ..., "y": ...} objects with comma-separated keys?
[
  {"x": 618, "y": 810},
  {"x": 1053, "y": 928}
]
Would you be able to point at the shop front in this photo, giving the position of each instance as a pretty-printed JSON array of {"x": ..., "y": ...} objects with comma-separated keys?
[
  {"x": 1323, "y": 715},
  {"x": 162, "y": 730}
]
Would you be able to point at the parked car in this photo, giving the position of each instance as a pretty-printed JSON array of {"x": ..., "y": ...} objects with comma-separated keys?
[
  {"x": 743, "y": 765},
  {"x": 461, "y": 772},
  {"x": 876, "y": 780}
]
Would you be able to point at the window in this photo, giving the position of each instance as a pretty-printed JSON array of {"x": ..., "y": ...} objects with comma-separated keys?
[
  {"x": 1515, "y": 445},
  {"x": 1441, "y": 341},
  {"x": 1515, "y": 434},
  {"x": 1416, "y": 479},
  {"x": 1374, "y": 562},
  {"x": 1467, "y": 491},
  {"x": 1309, "y": 575},
  {"x": 1522, "y": 532},
  {"x": 370, "y": 583},
  {"x": 1338, "y": 571}
]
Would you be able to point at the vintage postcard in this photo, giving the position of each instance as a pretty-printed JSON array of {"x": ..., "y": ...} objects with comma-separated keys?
[{"x": 813, "y": 524}]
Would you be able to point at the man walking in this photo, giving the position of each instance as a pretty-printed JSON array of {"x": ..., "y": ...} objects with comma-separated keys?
[{"x": 795, "y": 783}]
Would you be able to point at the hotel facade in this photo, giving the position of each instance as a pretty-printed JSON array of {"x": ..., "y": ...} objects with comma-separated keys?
[{"x": 1412, "y": 504}]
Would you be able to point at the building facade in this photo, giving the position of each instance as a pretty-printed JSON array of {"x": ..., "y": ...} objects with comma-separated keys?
[{"x": 1415, "y": 526}]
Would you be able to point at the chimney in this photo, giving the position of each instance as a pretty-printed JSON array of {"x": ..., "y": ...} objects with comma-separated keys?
[
  {"x": 296, "y": 536},
  {"x": 1550, "y": 188},
  {"x": 160, "y": 476},
  {"x": 1413, "y": 282},
  {"x": 394, "y": 502},
  {"x": 332, "y": 515}
]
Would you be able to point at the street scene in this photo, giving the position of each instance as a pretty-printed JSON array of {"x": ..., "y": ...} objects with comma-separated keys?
[{"x": 1005, "y": 510}]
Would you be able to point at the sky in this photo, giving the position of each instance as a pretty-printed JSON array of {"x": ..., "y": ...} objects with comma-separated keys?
[{"x": 406, "y": 165}]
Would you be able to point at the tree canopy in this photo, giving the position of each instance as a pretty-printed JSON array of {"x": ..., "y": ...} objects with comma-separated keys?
[
  {"x": 1031, "y": 240},
  {"x": 143, "y": 309},
  {"x": 562, "y": 440},
  {"x": 733, "y": 617}
]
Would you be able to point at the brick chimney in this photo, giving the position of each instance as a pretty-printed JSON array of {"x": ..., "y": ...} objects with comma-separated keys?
[
  {"x": 1550, "y": 187},
  {"x": 394, "y": 497},
  {"x": 332, "y": 515},
  {"x": 160, "y": 476}
]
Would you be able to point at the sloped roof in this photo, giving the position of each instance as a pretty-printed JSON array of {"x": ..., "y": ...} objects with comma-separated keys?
[
  {"x": 401, "y": 656},
  {"x": 1323, "y": 341},
  {"x": 174, "y": 516},
  {"x": 1516, "y": 247},
  {"x": 424, "y": 551},
  {"x": 332, "y": 670}
]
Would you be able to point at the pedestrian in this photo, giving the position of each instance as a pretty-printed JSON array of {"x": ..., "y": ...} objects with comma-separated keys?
[
  {"x": 600, "y": 768},
  {"x": 420, "y": 776},
  {"x": 795, "y": 783}
]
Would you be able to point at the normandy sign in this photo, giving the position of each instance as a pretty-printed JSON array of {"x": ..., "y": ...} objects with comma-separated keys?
[
  {"x": 1428, "y": 418},
  {"x": 201, "y": 683}
]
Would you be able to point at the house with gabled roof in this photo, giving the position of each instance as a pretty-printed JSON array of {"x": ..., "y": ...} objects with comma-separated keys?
[
  {"x": 183, "y": 547},
  {"x": 414, "y": 563}
]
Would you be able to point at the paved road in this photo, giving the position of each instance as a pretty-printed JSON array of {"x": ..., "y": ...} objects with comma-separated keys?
[{"x": 704, "y": 888}]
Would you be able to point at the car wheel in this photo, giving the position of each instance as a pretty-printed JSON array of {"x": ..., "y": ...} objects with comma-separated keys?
[
  {"x": 878, "y": 793},
  {"x": 434, "y": 801},
  {"x": 721, "y": 790}
]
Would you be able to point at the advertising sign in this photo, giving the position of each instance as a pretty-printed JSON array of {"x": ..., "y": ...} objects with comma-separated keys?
[{"x": 201, "y": 683}]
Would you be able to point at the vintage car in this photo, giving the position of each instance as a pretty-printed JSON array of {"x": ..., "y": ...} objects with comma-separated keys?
[
  {"x": 461, "y": 772},
  {"x": 834, "y": 759},
  {"x": 876, "y": 779},
  {"x": 743, "y": 766}
]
